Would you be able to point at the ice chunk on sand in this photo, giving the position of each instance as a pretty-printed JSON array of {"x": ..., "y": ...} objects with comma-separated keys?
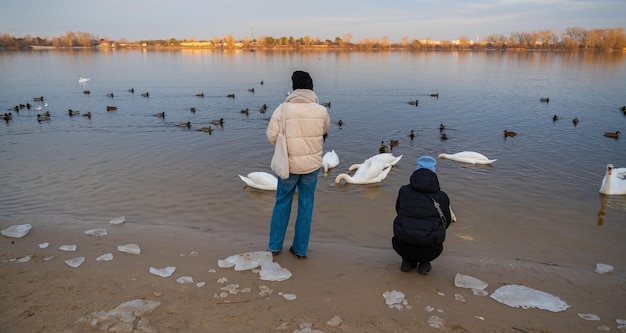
[
  {"x": 163, "y": 272},
  {"x": 525, "y": 297},
  {"x": 466, "y": 281},
  {"x": 436, "y": 322},
  {"x": 335, "y": 321},
  {"x": 75, "y": 262},
  {"x": 118, "y": 220},
  {"x": 249, "y": 260},
  {"x": 125, "y": 318},
  {"x": 26, "y": 258},
  {"x": 129, "y": 248},
  {"x": 184, "y": 279},
  {"x": 69, "y": 248},
  {"x": 105, "y": 257},
  {"x": 393, "y": 297},
  {"x": 17, "y": 231},
  {"x": 96, "y": 232},
  {"x": 588, "y": 316},
  {"x": 603, "y": 268},
  {"x": 44, "y": 245},
  {"x": 232, "y": 288},
  {"x": 289, "y": 297},
  {"x": 272, "y": 271}
]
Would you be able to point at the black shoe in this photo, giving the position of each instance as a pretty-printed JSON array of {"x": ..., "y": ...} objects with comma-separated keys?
[
  {"x": 275, "y": 253},
  {"x": 424, "y": 268},
  {"x": 407, "y": 266},
  {"x": 295, "y": 254}
]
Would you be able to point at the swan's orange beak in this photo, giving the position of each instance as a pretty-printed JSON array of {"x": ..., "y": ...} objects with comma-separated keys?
[{"x": 610, "y": 171}]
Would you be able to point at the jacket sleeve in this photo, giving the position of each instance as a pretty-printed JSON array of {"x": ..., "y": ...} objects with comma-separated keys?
[{"x": 274, "y": 126}]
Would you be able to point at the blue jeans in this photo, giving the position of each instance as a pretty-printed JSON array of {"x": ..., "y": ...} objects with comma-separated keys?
[{"x": 282, "y": 210}]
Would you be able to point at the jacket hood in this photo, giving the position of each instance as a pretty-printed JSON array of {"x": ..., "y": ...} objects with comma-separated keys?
[
  {"x": 302, "y": 96},
  {"x": 424, "y": 180}
]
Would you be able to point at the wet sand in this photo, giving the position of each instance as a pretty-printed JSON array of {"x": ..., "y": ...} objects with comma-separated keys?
[{"x": 46, "y": 295}]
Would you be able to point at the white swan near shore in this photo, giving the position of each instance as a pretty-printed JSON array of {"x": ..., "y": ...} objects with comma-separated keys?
[
  {"x": 261, "y": 180},
  {"x": 614, "y": 181},
  {"x": 82, "y": 79},
  {"x": 470, "y": 157},
  {"x": 330, "y": 160},
  {"x": 387, "y": 158},
  {"x": 373, "y": 170}
]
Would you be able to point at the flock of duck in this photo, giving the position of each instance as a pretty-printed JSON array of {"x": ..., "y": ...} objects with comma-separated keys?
[{"x": 373, "y": 170}]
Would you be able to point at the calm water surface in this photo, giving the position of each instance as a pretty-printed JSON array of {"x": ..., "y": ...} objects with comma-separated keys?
[{"x": 542, "y": 190}]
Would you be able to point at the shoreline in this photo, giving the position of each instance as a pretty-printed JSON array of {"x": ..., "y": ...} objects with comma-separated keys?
[{"x": 335, "y": 280}]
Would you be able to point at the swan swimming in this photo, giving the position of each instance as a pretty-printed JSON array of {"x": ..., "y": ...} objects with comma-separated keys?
[
  {"x": 373, "y": 170},
  {"x": 470, "y": 157},
  {"x": 614, "y": 181},
  {"x": 330, "y": 160},
  {"x": 261, "y": 180},
  {"x": 82, "y": 79},
  {"x": 388, "y": 158}
]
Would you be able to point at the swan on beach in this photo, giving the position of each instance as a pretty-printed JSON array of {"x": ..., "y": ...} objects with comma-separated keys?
[
  {"x": 388, "y": 158},
  {"x": 330, "y": 160},
  {"x": 614, "y": 181},
  {"x": 82, "y": 79},
  {"x": 373, "y": 170},
  {"x": 470, "y": 157},
  {"x": 261, "y": 180}
]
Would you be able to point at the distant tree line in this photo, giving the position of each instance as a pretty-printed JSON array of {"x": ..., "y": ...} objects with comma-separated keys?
[{"x": 572, "y": 39}]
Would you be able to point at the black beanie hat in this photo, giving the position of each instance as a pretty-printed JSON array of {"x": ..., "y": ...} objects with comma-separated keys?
[{"x": 301, "y": 80}]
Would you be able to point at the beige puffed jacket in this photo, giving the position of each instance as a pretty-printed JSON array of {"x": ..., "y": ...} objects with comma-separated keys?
[{"x": 306, "y": 123}]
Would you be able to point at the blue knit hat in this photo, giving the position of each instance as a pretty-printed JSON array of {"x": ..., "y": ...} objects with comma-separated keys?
[{"x": 426, "y": 162}]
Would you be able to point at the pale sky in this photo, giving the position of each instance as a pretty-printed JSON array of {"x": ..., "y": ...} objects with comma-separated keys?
[{"x": 325, "y": 19}]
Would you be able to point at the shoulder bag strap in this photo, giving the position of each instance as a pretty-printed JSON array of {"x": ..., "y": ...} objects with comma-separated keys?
[{"x": 444, "y": 221}]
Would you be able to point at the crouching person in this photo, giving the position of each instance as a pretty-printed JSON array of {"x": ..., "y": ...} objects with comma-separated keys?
[{"x": 423, "y": 215}]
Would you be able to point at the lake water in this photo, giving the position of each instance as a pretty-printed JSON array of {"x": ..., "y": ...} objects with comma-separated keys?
[{"x": 539, "y": 200}]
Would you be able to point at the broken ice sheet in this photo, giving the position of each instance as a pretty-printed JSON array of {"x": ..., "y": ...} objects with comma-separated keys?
[
  {"x": 272, "y": 271},
  {"x": 289, "y": 297},
  {"x": 248, "y": 260},
  {"x": 69, "y": 248},
  {"x": 105, "y": 257},
  {"x": 466, "y": 281},
  {"x": 588, "y": 316},
  {"x": 17, "y": 231},
  {"x": 124, "y": 318},
  {"x": 44, "y": 245},
  {"x": 24, "y": 259},
  {"x": 75, "y": 262},
  {"x": 603, "y": 268},
  {"x": 96, "y": 232},
  {"x": 163, "y": 272},
  {"x": 393, "y": 297},
  {"x": 118, "y": 220},
  {"x": 525, "y": 297},
  {"x": 232, "y": 288},
  {"x": 184, "y": 279},
  {"x": 129, "y": 248}
]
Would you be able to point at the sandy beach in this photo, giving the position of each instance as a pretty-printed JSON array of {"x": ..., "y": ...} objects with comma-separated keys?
[{"x": 341, "y": 282}]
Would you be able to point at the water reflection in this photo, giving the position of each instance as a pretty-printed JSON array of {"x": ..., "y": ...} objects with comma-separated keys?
[{"x": 616, "y": 202}]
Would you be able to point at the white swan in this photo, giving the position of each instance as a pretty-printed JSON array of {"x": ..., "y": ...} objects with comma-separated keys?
[
  {"x": 82, "y": 79},
  {"x": 330, "y": 160},
  {"x": 614, "y": 181},
  {"x": 470, "y": 157},
  {"x": 373, "y": 170},
  {"x": 387, "y": 158},
  {"x": 261, "y": 180}
]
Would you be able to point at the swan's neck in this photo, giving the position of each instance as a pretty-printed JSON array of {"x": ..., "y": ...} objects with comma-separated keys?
[
  {"x": 342, "y": 176},
  {"x": 606, "y": 186}
]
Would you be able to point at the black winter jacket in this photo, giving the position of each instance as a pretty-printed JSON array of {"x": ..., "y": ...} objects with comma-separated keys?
[{"x": 417, "y": 221}]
